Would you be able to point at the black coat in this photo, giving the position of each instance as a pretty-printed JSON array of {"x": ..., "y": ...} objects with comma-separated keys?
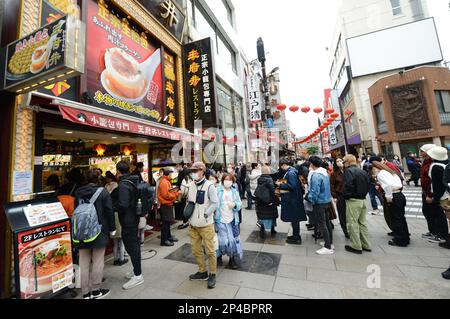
[
  {"x": 357, "y": 183},
  {"x": 263, "y": 210},
  {"x": 127, "y": 201},
  {"x": 105, "y": 213}
]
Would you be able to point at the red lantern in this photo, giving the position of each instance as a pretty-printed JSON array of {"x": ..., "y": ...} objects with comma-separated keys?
[
  {"x": 306, "y": 109},
  {"x": 281, "y": 107},
  {"x": 294, "y": 108},
  {"x": 318, "y": 110},
  {"x": 334, "y": 115},
  {"x": 329, "y": 111}
]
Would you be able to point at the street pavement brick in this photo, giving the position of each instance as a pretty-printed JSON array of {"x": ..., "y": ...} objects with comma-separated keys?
[
  {"x": 307, "y": 289},
  {"x": 289, "y": 271},
  {"x": 199, "y": 289},
  {"x": 254, "y": 294},
  {"x": 248, "y": 280}
]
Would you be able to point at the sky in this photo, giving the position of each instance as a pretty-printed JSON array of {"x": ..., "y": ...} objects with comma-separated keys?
[{"x": 296, "y": 35}]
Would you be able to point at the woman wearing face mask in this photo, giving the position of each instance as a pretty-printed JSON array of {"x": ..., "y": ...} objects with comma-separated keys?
[
  {"x": 337, "y": 184},
  {"x": 213, "y": 179},
  {"x": 392, "y": 186},
  {"x": 227, "y": 222}
]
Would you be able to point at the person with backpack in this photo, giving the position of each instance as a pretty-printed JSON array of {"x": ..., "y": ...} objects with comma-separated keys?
[
  {"x": 226, "y": 221},
  {"x": 129, "y": 217},
  {"x": 92, "y": 225},
  {"x": 266, "y": 203},
  {"x": 439, "y": 155},
  {"x": 357, "y": 184},
  {"x": 166, "y": 198},
  {"x": 253, "y": 180},
  {"x": 292, "y": 209},
  {"x": 202, "y": 204},
  {"x": 139, "y": 169}
]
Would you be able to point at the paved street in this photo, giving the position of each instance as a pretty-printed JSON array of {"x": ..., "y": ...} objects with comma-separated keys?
[{"x": 274, "y": 270}]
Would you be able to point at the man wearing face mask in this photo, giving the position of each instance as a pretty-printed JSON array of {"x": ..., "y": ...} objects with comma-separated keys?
[
  {"x": 292, "y": 209},
  {"x": 166, "y": 199},
  {"x": 201, "y": 230}
]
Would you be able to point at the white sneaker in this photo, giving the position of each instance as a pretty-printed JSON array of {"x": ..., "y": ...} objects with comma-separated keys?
[
  {"x": 134, "y": 282},
  {"x": 148, "y": 228},
  {"x": 323, "y": 245},
  {"x": 375, "y": 212},
  {"x": 129, "y": 275},
  {"x": 325, "y": 251}
]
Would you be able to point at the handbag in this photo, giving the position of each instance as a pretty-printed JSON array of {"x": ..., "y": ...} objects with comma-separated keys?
[{"x": 189, "y": 210}]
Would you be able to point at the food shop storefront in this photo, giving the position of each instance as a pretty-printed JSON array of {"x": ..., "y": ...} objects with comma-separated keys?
[{"x": 125, "y": 103}]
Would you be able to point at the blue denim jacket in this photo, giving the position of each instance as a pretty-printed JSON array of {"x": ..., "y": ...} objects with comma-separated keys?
[{"x": 319, "y": 190}]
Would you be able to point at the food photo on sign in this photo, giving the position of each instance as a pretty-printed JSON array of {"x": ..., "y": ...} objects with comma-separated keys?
[
  {"x": 45, "y": 262},
  {"x": 124, "y": 71}
]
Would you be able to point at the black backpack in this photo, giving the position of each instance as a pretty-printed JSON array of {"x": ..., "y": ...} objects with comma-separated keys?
[
  {"x": 262, "y": 194},
  {"x": 143, "y": 198}
]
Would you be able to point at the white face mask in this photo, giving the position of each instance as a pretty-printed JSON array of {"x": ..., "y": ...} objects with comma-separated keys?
[
  {"x": 227, "y": 184},
  {"x": 195, "y": 176}
]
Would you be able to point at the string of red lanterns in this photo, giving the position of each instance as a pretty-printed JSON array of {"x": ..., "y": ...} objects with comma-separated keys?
[{"x": 333, "y": 116}]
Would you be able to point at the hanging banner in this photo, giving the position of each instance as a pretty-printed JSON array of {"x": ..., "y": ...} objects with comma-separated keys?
[
  {"x": 170, "y": 89},
  {"x": 254, "y": 96},
  {"x": 118, "y": 124},
  {"x": 200, "y": 83},
  {"x": 124, "y": 71}
]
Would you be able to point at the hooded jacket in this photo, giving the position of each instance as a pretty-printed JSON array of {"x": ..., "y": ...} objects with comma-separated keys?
[
  {"x": 104, "y": 207},
  {"x": 263, "y": 210},
  {"x": 127, "y": 201},
  {"x": 357, "y": 183},
  {"x": 319, "y": 190}
]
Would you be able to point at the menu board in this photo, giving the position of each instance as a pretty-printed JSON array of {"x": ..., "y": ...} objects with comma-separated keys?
[
  {"x": 105, "y": 163},
  {"x": 56, "y": 160},
  {"x": 44, "y": 260},
  {"x": 43, "y": 214}
]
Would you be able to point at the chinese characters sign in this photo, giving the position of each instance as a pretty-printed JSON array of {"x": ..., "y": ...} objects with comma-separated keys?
[
  {"x": 200, "y": 89},
  {"x": 43, "y": 261},
  {"x": 170, "y": 89},
  {"x": 168, "y": 14},
  {"x": 43, "y": 56},
  {"x": 116, "y": 124},
  {"x": 124, "y": 69},
  {"x": 254, "y": 96}
]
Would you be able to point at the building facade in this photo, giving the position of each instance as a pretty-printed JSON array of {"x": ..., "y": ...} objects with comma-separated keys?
[
  {"x": 358, "y": 18},
  {"x": 411, "y": 109}
]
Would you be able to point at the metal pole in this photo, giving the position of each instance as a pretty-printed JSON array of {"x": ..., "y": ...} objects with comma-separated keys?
[{"x": 343, "y": 127}]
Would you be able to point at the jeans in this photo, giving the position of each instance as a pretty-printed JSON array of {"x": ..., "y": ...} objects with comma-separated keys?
[
  {"x": 165, "y": 232},
  {"x": 340, "y": 205},
  {"x": 357, "y": 223},
  {"x": 428, "y": 212},
  {"x": 249, "y": 200},
  {"x": 399, "y": 224},
  {"x": 373, "y": 197},
  {"x": 132, "y": 245},
  {"x": 91, "y": 278},
  {"x": 119, "y": 249},
  {"x": 324, "y": 223},
  {"x": 296, "y": 231}
]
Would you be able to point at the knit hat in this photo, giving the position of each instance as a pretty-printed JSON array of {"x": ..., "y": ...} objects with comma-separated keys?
[
  {"x": 438, "y": 153},
  {"x": 427, "y": 147}
]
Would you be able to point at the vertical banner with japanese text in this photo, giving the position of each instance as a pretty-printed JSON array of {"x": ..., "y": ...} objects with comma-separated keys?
[
  {"x": 170, "y": 89},
  {"x": 199, "y": 79},
  {"x": 254, "y": 97}
]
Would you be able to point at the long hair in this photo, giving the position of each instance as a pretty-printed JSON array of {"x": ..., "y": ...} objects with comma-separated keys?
[{"x": 383, "y": 167}]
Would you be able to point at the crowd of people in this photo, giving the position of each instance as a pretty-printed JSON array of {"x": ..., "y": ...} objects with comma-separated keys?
[{"x": 210, "y": 202}]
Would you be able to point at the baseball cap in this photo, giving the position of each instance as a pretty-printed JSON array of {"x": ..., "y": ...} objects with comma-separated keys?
[{"x": 199, "y": 166}]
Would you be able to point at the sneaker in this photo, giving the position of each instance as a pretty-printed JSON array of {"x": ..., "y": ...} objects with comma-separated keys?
[
  {"x": 134, "y": 282},
  {"x": 212, "y": 281},
  {"x": 446, "y": 275},
  {"x": 87, "y": 296},
  {"x": 167, "y": 244},
  {"x": 200, "y": 276},
  {"x": 445, "y": 245},
  {"x": 395, "y": 244},
  {"x": 148, "y": 228},
  {"x": 435, "y": 240},
  {"x": 122, "y": 262},
  {"x": 350, "y": 249},
  {"x": 258, "y": 224},
  {"x": 183, "y": 226},
  {"x": 173, "y": 240},
  {"x": 428, "y": 236},
  {"x": 376, "y": 212},
  {"x": 142, "y": 243},
  {"x": 292, "y": 241},
  {"x": 367, "y": 250},
  {"x": 116, "y": 262},
  {"x": 325, "y": 251},
  {"x": 129, "y": 275},
  {"x": 323, "y": 245},
  {"x": 100, "y": 294}
]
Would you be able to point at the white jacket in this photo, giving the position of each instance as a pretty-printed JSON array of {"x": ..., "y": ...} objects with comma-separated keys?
[
  {"x": 203, "y": 214},
  {"x": 254, "y": 175}
]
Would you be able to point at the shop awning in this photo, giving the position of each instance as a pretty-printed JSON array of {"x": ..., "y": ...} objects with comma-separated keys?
[{"x": 95, "y": 117}]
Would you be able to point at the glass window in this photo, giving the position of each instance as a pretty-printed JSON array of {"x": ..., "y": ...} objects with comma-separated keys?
[
  {"x": 203, "y": 25},
  {"x": 226, "y": 53},
  {"x": 379, "y": 112},
  {"x": 190, "y": 11},
  {"x": 229, "y": 12},
  {"x": 396, "y": 7},
  {"x": 443, "y": 101}
]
